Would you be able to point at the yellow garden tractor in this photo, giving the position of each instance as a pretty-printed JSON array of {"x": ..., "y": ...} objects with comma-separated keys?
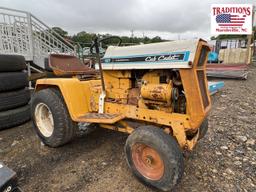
[{"x": 156, "y": 92}]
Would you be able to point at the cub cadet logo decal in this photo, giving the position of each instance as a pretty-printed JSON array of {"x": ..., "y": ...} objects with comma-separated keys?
[{"x": 162, "y": 57}]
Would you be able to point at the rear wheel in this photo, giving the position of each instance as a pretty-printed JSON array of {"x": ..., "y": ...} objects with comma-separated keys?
[
  {"x": 154, "y": 157},
  {"x": 51, "y": 118}
]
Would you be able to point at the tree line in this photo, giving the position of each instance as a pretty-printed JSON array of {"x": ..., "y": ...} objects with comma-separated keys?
[{"x": 85, "y": 38}]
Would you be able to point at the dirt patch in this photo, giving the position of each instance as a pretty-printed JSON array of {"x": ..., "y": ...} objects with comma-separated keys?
[{"x": 225, "y": 160}]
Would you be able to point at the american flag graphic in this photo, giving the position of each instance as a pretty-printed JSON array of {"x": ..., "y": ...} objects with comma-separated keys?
[{"x": 230, "y": 20}]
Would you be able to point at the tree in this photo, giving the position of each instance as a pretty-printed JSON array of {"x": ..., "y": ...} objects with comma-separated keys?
[
  {"x": 231, "y": 37},
  {"x": 156, "y": 39},
  {"x": 60, "y": 31},
  {"x": 83, "y": 38}
]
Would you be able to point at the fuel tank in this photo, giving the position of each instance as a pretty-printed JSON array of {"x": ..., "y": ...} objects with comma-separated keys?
[{"x": 157, "y": 92}]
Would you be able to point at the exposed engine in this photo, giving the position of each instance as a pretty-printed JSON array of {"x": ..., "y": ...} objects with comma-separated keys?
[
  {"x": 148, "y": 75},
  {"x": 157, "y": 89}
]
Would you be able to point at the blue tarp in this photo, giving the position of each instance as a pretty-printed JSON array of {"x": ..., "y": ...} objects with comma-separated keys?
[
  {"x": 213, "y": 57},
  {"x": 215, "y": 86}
]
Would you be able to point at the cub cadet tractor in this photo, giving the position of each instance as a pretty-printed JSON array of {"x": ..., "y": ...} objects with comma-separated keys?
[{"x": 156, "y": 92}]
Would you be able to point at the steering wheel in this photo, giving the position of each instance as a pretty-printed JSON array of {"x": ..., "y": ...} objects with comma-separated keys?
[{"x": 97, "y": 41}]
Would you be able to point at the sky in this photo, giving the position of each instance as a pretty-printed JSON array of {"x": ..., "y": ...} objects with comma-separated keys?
[{"x": 169, "y": 19}]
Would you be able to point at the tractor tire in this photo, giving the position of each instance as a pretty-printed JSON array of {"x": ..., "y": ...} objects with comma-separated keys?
[
  {"x": 14, "y": 117},
  {"x": 13, "y": 81},
  {"x": 154, "y": 157},
  {"x": 51, "y": 119},
  {"x": 10, "y": 63},
  {"x": 203, "y": 129},
  {"x": 13, "y": 99}
]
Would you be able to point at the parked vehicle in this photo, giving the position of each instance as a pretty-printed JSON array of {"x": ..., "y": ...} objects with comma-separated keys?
[{"x": 157, "y": 93}]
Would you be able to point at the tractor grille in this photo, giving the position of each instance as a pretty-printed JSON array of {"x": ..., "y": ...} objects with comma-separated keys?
[
  {"x": 201, "y": 80},
  {"x": 203, "y": 56}
]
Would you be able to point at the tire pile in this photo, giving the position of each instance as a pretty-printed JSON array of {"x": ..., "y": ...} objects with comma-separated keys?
[{"x": 14, "y": 94}]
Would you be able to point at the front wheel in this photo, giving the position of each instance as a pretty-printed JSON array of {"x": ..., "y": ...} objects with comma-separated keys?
[
  {"x": 51, "y": 118},
  {"x": 154, "y": 157}
]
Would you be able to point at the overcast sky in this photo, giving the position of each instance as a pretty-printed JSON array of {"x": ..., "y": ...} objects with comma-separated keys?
[{"x": 170, "y": 19}]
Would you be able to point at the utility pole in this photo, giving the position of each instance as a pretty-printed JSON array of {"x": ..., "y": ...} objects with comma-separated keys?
[
  {"x": 132, "y": 35},
  {"x": 249, "y": 40},
  {"x": 253, "y": 31}
]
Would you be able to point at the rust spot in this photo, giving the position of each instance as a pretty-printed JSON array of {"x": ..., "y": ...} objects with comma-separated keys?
[
  {"x": 156, "y": 92},
  {"x": 69, "y": 65},
  {"x": 133, "y": 96},
  {"x": 93, "y": 104}
]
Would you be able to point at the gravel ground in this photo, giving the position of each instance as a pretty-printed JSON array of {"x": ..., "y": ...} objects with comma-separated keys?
[{"x": 225, "y": 160}]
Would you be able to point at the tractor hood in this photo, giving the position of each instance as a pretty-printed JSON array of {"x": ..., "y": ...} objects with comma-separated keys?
[{"x": 164, "y": 55}]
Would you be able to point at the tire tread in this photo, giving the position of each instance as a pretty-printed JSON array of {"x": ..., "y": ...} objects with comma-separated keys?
[
  {"x": 13, "y": 81},
  {"x": 14, "y": 117},
  {"x": 13, "y": 99},
  {"x": 11, "y": 63}
]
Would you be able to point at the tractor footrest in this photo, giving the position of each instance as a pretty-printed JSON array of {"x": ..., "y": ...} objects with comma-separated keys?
[{"x": 101, "y": 118}]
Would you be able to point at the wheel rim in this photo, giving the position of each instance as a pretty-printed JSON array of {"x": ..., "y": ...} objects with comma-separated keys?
[
  {"x": 147, "y": 161},
  {"x": 44, "y": 119}
]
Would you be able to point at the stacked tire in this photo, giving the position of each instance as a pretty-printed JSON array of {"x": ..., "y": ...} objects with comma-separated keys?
[{"x": 14, "y": 94}]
